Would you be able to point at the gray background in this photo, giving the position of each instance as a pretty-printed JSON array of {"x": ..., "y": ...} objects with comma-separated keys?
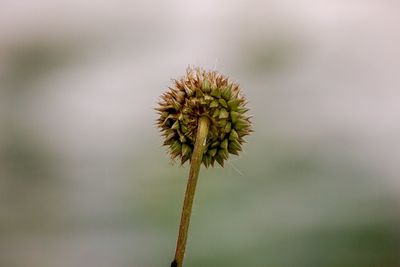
[{"x": 84, "y": 180}]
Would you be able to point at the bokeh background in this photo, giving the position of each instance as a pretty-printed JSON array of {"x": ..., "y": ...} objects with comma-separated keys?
[{"x": 85, "y": 182}]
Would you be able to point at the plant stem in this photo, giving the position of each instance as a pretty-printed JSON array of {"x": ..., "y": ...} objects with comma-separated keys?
[{"x": 195, "y": 163}]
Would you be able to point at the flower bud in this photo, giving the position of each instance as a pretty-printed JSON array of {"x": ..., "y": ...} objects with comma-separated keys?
[{"x": 210, "y": 94}]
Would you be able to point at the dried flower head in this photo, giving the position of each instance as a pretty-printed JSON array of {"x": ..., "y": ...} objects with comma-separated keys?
[{"x": 209, "y": 94}]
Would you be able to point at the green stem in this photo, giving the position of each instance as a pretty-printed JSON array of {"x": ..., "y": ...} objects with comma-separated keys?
[{"x": 195, "y": 163}]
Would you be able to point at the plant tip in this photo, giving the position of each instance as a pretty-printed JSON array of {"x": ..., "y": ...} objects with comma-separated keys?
[{"x": 202, "y": 93}]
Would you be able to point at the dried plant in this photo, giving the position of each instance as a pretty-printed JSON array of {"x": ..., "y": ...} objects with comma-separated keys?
[{"x": 203, "y": 119}]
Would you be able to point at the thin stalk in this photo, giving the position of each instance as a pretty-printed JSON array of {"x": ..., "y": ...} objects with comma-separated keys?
[{"x": 195, "y": 163}]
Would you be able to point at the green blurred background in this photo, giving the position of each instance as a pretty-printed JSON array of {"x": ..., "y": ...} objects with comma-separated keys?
[{"x": 85, "y": 182}]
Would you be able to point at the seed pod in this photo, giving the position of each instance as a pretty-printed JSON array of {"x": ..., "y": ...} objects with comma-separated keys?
[{"x": 210, "y": 94}]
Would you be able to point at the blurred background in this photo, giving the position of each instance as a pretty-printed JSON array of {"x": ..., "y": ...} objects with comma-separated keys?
[{"x": 85, "y": 182}]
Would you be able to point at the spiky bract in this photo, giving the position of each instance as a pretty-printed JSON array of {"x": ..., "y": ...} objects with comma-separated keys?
[{"x": 209, "y": 94}]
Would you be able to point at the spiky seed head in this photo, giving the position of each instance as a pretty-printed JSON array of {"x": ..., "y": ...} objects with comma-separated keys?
[{"x": 210, "y": 94}]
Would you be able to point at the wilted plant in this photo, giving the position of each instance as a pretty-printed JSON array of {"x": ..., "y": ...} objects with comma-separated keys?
[{"x": 203, "y": 119}]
